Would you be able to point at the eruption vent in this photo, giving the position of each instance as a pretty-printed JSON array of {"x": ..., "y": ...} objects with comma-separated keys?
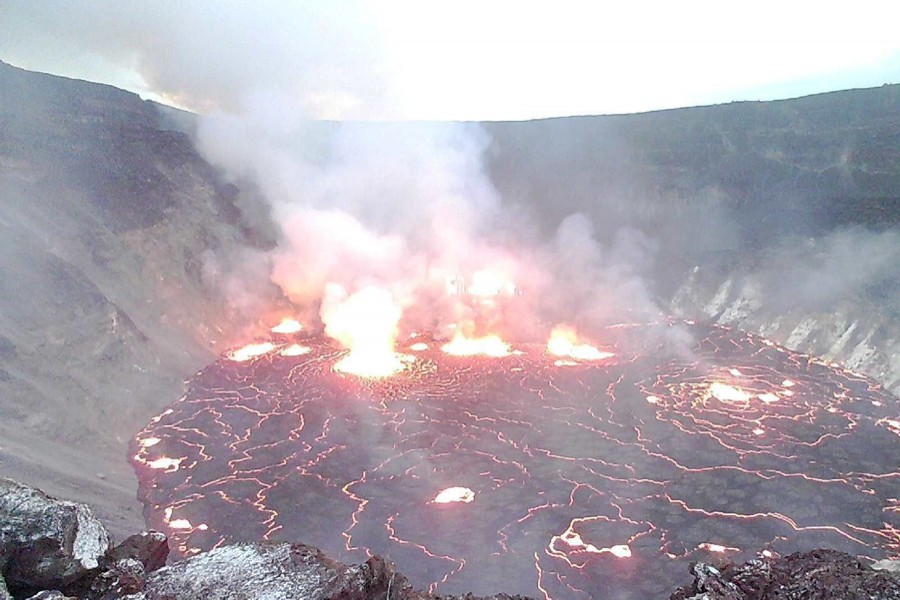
[
  {"x": 490, "y": 345},
  {"x": 251, "y": 351},
  {"x": 564, "y": 342},
  {"x": 365, "y": 323},
  {"x": 288, "y": 326}
]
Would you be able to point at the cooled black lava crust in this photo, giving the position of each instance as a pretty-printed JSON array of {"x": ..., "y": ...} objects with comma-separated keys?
[{"x": 590, "y": 480}]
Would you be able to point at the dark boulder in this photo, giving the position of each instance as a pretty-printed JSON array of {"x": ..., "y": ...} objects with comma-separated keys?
[
  {"x": 151, "y": 548},
  {"x": 255, "y": 570},
  {"x": 126, "y": 566},
  {"x": 46, "y": 543},
  {"x": 280, "y": 570},
  {"x": 813, "y": 575},
  {"x": 473, "y": 597},
  {"x": 119, "y": 580}
]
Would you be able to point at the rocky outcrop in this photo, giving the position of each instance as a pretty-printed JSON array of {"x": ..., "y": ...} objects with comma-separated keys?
[
  {"x": 281, "y": 571},
  {"x": 814, "y": 575},
  {"x": 46, "y": 543},
  {"x": 54, "y": 549},
  {"x": 128, "y": 565},
  {"x": 150, "y": 548}
]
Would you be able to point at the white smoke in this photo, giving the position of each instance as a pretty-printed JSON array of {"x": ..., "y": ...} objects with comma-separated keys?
[
  {"x": 327, "y": 60},
  {"x": 409, "y": 207},
  {"x": 406, "y": 207},
  {"x": 403, "y": 207}
]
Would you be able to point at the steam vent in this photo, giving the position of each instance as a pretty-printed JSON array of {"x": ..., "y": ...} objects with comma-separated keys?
[{"x": 563, "y": 478}]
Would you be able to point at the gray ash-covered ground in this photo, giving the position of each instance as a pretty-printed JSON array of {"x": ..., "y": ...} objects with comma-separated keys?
[{"x": 600, "y": 479}]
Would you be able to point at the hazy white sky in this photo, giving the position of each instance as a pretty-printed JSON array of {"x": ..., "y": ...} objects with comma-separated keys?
[{"x": 460, "y": 59}]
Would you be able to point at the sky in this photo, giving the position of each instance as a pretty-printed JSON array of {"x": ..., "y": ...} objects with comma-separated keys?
[{"x": 460, "y": 59}]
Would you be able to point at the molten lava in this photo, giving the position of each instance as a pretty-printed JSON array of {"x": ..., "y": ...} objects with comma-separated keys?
[
  {"x": 490, "y": 345},
  {"x": 366, "y": 323},
  {"x": 717, "y": 548},
  {"x": 454, "y": 494},
  {"x": 251, "y": 351},
  {"x": 728, "y": 393},
  {"x": 295, "y": 350},
  {"x": 574, "y": 540},
  {"x": 165, "y": 463},
  {"x": 288, "y": 326},
  {"x": 564, "y": 342}
]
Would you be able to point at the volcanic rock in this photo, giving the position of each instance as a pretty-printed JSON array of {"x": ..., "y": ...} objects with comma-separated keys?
[
  {"x": 889, "y": 566},
  {"x": 150, "y": 548},
  {"x": 251, "y": 570},
  {"x": 126, "y": 566},
  {"x": 473, "y": 597},
  {"x": 120, "y": 579},
  {"x": 813, "y": 575},
  {"x": 46, "y": 543},
  {"x": 51, "y": 595}
]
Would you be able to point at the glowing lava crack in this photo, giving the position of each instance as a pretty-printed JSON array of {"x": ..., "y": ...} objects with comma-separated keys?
[{"x": 566, "y": 479}]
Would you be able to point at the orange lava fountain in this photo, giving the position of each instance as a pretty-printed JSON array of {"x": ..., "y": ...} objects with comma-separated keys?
[
  {"x": 564, "y": 342},
  {"x": 490, "y": 345},
  {"x": 366, "y": 323},
  {"x": 288, "y": 326}
]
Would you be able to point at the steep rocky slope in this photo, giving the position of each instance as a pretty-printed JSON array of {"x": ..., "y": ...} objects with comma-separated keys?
[{"x": 104, "y": 309}]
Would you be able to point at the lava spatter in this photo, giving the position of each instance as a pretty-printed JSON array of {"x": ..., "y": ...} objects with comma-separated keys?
[{"x": 592, "y": 479}]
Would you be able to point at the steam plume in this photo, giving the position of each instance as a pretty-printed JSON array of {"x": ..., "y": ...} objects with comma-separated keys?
[{"x": 410, "y": 209}]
